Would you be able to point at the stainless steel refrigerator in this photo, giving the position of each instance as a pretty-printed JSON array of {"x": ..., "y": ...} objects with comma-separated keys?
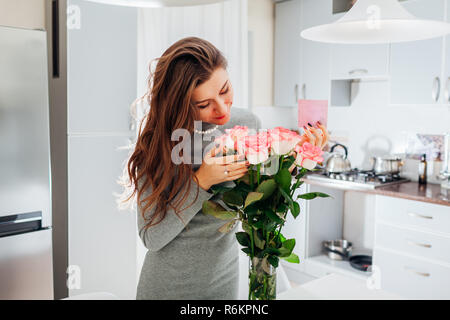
[{"x": 26, "y": 270}]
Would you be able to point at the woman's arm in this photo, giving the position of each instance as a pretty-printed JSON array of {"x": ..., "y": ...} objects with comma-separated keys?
[{"x": 158, "y": 236}]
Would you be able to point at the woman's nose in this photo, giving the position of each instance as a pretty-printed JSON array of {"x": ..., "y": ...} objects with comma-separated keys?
[{"x": 222, "y": 106}]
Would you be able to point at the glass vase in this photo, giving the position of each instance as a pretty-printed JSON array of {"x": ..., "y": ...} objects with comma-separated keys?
[{"x": 262, "y": 280}]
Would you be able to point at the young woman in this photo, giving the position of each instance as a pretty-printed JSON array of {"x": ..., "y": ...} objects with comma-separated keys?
[{"x": 187, "y": 257}]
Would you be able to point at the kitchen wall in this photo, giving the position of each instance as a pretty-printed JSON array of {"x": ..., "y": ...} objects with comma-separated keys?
[{"x": 28, "y": 14}]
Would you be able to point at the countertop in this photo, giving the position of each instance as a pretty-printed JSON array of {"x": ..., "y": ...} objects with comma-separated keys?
[
  {"x": 337, "y": 287},
  {"x": 430, "y": 193}
]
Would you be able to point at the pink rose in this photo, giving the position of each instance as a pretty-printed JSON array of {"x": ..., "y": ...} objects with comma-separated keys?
[
  {"x": 283, "y": 140},
  {"x": 257, "y": 148},
  {"x": 233, "y": 139},
  {"x": 308, "y": 155}
]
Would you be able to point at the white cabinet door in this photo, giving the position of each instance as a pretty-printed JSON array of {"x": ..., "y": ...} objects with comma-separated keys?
[
  {"x": 287, "y": 53},
  {"x": 359, "y": 61},
  {"x": 315, "y": 56},
  {"x": 410, "y": 277},
  {"x": 101, "y": 68},
  {"x": 416, "y": 66},
  {"x": 102, "y": 239}
]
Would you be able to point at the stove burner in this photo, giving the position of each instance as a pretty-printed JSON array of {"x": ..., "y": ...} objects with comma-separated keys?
[{"x": 364, "y": 176}]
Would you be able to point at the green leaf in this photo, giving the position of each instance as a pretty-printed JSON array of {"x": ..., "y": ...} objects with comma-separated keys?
[
  {"x": 293, "y": 258},
  {"x": 302, "y": 172},
  {"x": 270, "y": 226},
  {"x": 233, "y": 198},
  {"x": 287, "y": 163},
  {"x": 284, "y": 179},
  {"x": 246, "y": 250},
  {"x": 272, "y": 251},
  {"x": 281, "y": 208},
  {"x": 273, "y": 260},
  {"x": 246, "y": 227},
  {"x": 282, "y": 238},
  {"x": 219, "y": 189},
  {"x": 287, "y": 197},
  {"x": 273, "y": 216},
  {"x": 267, "y": 188},
  {"x": 227, "y": 226},
  {"x": 312, "y": 195},
  {"x": 252, "y": 197},
  {"x": 214, "y": 209},
  {"x": 295, "y": 210},
  {"x": 287, "y": 247},
  {"x": 243, "y": 239},
  {"x": 259, "y": 243}
]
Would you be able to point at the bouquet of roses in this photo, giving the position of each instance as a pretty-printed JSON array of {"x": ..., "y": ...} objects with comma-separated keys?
[{"x": 263, "y": 197}]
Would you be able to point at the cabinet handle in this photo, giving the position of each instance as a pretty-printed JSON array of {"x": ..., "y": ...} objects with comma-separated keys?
[
  {"x": 304, "y": 91},
  {"x": 362, "y": 71},
  {"x": 413, "y": 243},
  {"x": 416, "y": 215},
  {"x": 423, "y": 274},
  {"x": 436, "y": 92},
  {"x": 296, "y": 93},
  {"x": 447, "y": 91}
]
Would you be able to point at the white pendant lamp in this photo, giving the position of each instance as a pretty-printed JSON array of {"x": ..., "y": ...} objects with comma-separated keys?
[
  {"x": 377, "y": 21},
  {"x": 156, "y": 3}
]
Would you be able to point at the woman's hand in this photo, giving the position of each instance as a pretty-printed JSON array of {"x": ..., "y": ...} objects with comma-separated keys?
[
  {"x": 215, "y": 170},
  {"x": 316, "y": 136}
]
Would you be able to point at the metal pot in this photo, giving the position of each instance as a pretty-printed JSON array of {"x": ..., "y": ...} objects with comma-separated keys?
[
  {"x": 387, "y": 165},
  {"x": 337, "y": 162},
  {"x": 338, "y": 249}
]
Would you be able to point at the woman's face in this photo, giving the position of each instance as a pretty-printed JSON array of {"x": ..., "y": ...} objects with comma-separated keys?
[{"x": 214, "y": 98}]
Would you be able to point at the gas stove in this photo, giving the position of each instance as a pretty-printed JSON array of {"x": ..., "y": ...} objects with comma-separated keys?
[{"x": 360, "y": 179}]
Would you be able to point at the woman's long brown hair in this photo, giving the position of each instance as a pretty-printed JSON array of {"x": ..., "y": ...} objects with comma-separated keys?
[{"x": 185, "y": 65}]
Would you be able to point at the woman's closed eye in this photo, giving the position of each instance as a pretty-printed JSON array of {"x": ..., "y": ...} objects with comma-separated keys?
[{"x": 206, "y": 105}]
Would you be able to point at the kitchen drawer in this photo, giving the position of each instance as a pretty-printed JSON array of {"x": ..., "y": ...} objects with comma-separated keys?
[
  {"x": 411, "y": 278},
  {"x": 416, "y": 214},
  {"x": 421, "y": 244}
]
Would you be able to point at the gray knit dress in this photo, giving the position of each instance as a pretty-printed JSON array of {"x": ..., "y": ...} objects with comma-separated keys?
[{"x": 196, "y": 261}]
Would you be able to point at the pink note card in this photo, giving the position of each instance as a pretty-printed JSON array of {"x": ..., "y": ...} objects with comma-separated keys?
[{"x": 312, "y": 111}]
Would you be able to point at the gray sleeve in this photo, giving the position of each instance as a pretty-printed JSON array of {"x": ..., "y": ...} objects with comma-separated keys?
[{"x": 158, "y": 236}]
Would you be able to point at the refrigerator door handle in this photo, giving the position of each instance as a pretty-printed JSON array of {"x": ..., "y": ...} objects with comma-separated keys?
[{"x": 20, "y": 223}]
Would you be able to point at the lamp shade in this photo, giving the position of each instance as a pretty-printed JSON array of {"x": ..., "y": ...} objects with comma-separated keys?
[
  {"x": 377, "y": 21},
  {"x": 156, "y": 3}
]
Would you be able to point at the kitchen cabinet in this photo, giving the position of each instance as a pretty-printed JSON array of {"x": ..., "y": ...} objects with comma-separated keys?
[
  {"x": 359, "y": 61},
  {"x": 94, "y": 104},
  {"x": 301, "y": 66},
  {"x": 415, "y": 67},
  {"x": 287, "y": 53},
  {"x": 315, "y": 56},
  {"x": 411, "y": 248}
]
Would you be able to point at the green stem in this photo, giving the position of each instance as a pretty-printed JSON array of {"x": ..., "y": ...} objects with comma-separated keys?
[
  {"x": 259, "y": 172},
  {"x": 252, "y": 243},
  {"x": 251, "y": 178}
]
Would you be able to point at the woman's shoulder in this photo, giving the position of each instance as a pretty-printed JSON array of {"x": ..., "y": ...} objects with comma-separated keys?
[{"x": 243, "y": 117}]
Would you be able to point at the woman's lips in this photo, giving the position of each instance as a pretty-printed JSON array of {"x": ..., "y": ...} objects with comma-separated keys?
[{"x": 220, "y": 118}]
